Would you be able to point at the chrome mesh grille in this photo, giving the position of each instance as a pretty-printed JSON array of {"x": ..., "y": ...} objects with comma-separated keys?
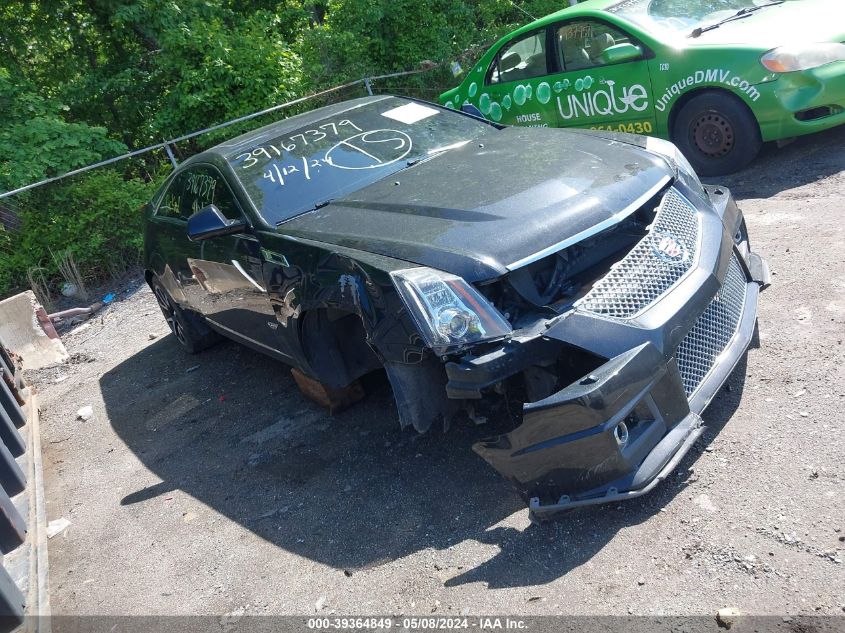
[
  {"x": 645, "y": 274},
  {"x": 714, "y": 329}
]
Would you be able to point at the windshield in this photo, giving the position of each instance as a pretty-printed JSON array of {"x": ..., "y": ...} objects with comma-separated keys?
[
  {"x": 306, "y": 168},
  {"x": 681, "y": 17}
]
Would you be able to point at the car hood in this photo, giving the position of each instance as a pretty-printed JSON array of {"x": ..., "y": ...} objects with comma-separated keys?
[
  {"x": 480, "y": 209},
  {"x": 793, "y": 22}
]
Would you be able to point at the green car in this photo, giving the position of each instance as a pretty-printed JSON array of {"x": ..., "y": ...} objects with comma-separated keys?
[{"x": 717, "y": 77}]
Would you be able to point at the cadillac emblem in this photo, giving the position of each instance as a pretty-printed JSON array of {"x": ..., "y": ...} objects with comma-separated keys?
[{"x": 670, "y": 248}]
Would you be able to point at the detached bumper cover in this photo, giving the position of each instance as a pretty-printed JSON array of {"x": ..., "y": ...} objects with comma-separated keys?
[{"x": 617, "y": 432}]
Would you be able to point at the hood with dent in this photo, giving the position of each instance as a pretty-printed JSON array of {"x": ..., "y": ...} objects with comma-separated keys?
[
  {"x": 477, "y": 209},
  {"x": 793, "y": 22}
]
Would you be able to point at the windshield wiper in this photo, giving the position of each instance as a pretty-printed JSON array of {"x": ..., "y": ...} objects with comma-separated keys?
[
  {"x": 742, "y": 13},
  {"x": 433, "y": 153},
  {"x": 319, "y": 205}
]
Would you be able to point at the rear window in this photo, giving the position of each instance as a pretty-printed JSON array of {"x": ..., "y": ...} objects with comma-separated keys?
[{"x": 308, "y": 167}]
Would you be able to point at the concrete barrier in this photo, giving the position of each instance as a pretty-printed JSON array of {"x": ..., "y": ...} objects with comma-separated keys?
[{"x": 26, "y": 331}]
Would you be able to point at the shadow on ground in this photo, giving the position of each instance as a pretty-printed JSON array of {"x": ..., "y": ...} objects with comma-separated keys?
[
  {"x": 229, "y": 428},
  {"x": 803, "y": 161}
]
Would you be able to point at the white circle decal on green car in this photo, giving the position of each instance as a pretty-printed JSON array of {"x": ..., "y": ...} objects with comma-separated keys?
[
  {"x": 484, "y": 104},
  {"x": 544, "y": 93}
]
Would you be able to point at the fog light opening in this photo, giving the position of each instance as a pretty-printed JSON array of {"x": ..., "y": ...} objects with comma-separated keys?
[
  {"x": 621, "y": 434},
  {"x": 812, "y": 114}
]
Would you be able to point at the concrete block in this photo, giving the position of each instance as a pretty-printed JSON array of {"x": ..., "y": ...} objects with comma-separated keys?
[{"x": 22, "y": 331}]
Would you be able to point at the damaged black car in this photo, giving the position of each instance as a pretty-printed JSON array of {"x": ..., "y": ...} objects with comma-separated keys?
[{"x": 587, "y": 276}]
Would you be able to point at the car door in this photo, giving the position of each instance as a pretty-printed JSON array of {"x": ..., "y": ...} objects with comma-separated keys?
[
  {"x": 602, "y": 82},
  {"x": 167, "y": 240},
  {"x": 515, "y": 90},
  {"x": 226, "y": 282}
]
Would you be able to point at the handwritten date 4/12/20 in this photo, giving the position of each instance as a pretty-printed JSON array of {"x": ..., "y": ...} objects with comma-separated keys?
[{"x": 277, "y": 174}]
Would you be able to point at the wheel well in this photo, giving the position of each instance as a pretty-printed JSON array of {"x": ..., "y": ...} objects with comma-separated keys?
[
  {"x": 335, "y": 346},
  {"x": 686, "y": 98},
  {"x": 148, "y": 277}
]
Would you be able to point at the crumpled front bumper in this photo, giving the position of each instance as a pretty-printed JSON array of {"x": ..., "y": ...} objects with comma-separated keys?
[{"x": 618, "y": 431}]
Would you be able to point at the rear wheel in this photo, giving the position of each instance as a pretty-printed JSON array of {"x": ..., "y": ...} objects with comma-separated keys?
[
  {"x": 189, "y": 329},
  {"x": 717, "y": 133}
]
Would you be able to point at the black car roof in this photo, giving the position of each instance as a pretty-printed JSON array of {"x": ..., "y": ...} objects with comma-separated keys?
[{"x": 273, "y": 130}]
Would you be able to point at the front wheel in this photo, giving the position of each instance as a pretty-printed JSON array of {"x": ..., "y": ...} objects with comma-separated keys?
[
  {"x": 717, "y": 133},
  {"x": 190, "y": 331}
]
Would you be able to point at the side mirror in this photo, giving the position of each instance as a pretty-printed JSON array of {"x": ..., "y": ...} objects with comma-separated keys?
[
  {"x": 620, "y": 53},
  {"x": 208, "y": 222}
]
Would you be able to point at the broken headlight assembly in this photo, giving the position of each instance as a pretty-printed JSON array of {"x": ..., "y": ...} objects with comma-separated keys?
[{"x": 447, "y": 310}]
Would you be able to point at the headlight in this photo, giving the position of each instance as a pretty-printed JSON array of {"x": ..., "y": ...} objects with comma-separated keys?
[
  {"x": 685, "y": 171},
  {"x": 448, "y": 311},
  {"x": 786, "y": 59}
]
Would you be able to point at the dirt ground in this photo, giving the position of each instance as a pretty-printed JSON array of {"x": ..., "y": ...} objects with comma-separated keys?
[{"x": 209, "y": 485}]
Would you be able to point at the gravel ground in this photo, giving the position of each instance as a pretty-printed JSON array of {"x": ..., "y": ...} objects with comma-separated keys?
[{"x": 209, "y": 485}]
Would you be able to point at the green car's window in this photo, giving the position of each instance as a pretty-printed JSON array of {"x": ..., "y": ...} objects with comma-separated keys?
[
  {"x": 581, "y": 43},
  {"x": 522, "y": 59}
]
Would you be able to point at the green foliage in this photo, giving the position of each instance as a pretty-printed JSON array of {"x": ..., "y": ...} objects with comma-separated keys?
[
  {"x": 96, "y": 216},
  {"x": 36, "y": 141},
  {"x": 369, "y": 37},
  {"x": 219, "y": 74},
  {"x": 82, "y": 80}
]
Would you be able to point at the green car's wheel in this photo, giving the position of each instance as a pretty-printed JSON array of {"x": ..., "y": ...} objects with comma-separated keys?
[
  {"x": 717, "y": 133},
  {"x": 189, "y": 329}
]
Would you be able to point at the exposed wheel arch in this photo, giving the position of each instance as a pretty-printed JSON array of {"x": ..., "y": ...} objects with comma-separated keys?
[{"x": 334, "y": 343}]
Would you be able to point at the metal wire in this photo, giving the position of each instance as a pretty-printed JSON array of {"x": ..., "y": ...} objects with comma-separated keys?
[{"x": 366, "y": 81}]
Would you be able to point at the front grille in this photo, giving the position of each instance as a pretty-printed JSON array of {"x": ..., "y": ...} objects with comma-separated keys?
[
  {"x": 714, "y": 329},
  {"x": 646, "y": 273}
]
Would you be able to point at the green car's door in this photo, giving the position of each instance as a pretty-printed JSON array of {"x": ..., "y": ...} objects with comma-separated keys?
[
  {"x": 509, "y": 94},
  {"x": 603, "y": 79}
]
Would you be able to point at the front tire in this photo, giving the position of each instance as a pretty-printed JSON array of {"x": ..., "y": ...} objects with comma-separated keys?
[
  {"x": 189, "y": 329},
  {"x": 717, "y": 133}
]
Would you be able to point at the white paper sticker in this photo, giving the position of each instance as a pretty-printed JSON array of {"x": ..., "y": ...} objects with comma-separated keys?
[{"x": 410, "y": 113}]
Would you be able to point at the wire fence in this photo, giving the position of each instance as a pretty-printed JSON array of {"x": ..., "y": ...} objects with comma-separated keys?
[{"x": 108, "y": 239}]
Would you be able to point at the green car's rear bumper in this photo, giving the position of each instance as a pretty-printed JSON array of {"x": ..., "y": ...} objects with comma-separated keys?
[{"x": 803, "y": 102}]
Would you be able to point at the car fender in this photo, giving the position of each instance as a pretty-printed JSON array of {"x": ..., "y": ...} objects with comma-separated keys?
[{"x": 344, "y": 281}]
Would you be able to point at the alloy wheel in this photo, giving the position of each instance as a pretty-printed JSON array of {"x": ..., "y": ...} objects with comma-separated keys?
[{"x": 170, "y": 315}]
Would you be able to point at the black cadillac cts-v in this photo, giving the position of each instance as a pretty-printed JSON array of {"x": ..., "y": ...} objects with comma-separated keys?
[{"x": 587, "y": 275}]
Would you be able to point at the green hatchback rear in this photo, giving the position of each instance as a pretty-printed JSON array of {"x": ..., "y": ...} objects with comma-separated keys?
[{"x": 718, "y": 78}]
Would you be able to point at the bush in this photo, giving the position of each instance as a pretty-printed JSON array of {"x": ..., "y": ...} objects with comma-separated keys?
[{"x": 96, "y": 216}]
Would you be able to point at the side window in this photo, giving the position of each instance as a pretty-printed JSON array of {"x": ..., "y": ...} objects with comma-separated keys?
[
  {"x": 522, "y": 59},
  {"x": 205, "y": 186},
  {"x": 580, "y": 44},
  {"x": 169, "y": 205}
]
